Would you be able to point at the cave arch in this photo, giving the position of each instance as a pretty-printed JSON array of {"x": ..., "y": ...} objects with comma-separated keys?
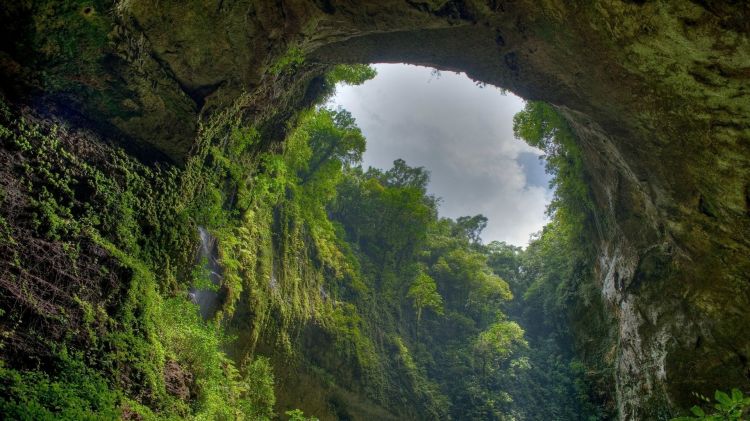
[{"x": 656, "y": 92}]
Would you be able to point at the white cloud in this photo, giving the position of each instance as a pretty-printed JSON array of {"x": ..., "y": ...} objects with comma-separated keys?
[{"x": 462, "y": 133}]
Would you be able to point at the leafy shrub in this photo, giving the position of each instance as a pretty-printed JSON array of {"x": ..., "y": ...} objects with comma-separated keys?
[
  {"x": 298, "y": 415},
  {"x": 71, "y": 392},
  {"x": 728, "y": 407}
]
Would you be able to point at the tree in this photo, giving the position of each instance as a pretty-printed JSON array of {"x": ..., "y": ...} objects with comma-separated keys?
[
  {"x": 351, "y": 74},
  {"x": 402, "y": 175},
  {"x": 505, "y": 261},
  {"x": 541, "y": 126},
  {"x": 346, "y": 74},
  {"x": 425, "y": 295},
  {"x": 388, "y": 221},
  {"x": 498, "y": 342},
  {"x": 333, "y": 138},
  {"x": 298, "y": 415},
  {"x": 471, "y": 227}
]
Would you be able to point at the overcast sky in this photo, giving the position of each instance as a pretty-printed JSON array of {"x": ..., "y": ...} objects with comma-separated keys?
[{"x": 463, "y": 134}]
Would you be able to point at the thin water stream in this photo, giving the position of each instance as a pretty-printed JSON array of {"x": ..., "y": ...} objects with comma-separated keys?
[{"x": 208, "y": 299}]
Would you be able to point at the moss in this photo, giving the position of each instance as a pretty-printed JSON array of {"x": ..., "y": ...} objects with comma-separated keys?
[
  {"x": 288, "y": 62},
  {"x": 71, "y": 38},
  {"x": 85, "y": 193},
  {"x": 73, "y": 391}
]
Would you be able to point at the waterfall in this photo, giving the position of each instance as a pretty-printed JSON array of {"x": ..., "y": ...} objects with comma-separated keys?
[{"x": 208, "y": 300}]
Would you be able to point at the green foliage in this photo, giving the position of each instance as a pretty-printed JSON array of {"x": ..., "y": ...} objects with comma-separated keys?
[
  {"x": 202, "y": 277},
  {"x": 76, "y": 391},
  {"x": 308, "y": 241},
  {"x": 72, "y": 392},
  {"x": 426, "y": 262},
  {"x": 553, "y": 270},
  {"x": 298, "y": 415},
  {"x": 471, "y": 227},
  {"x": 334, "y": 140},
  {"x": 553, "y": 281},
  {"x": 288, "y": 63},
  {"x": 402, "y": 175},
  {"x": 351, "y": 337},
  {"x": 351, "y": 74},
  {"x": 223, "y": 390},
  {"x": 284, "y": 245},
  {"x": 543, "y": 127},
  {"x": 138, "y": 337},
  {"x": 729, "y": 407},
  {"x": 346, "y": 74},
  {"x": 499, "y": 340},
  {"x": 505, "y": 261},
  {"x": 425, "y": 295},
  {"x": 386, "y": 214},
  {"x": 259, "y": 388}
]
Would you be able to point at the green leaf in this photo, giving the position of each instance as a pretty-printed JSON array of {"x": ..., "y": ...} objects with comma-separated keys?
[
  {"x": 722, "y": 398},
  {"x": 697, "y": 411}
]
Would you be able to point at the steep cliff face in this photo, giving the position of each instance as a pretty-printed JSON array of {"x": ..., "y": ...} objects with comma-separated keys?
[{"x": 656, "y": 91}]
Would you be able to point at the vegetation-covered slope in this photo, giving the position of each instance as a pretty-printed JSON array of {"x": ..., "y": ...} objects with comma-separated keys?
[{"x": 340, "y": 290}]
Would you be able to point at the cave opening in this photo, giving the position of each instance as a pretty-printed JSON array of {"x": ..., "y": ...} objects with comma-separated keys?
[
  {"x": 461, "y": 131},
  {"x": 440, "y": 286}
]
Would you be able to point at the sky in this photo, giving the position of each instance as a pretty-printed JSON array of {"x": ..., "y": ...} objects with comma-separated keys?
[{"x": 463, "y": 134}]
